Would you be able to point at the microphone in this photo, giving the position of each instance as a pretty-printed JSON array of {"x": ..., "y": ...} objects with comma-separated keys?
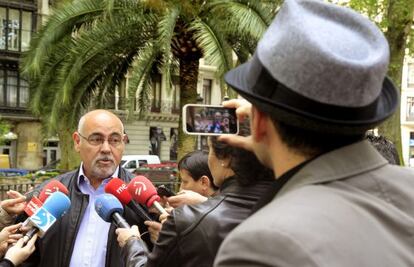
[
  {"x": 109, "y": 208},
  {"x": 119, "y": 189},
  {"x": 144, "y": 192},
  {"x": 50, "y": 188},
  {"x": 53, "y": 208},
  {"x": 37, "y": 199},
  {"x": 33, "y": 193}
]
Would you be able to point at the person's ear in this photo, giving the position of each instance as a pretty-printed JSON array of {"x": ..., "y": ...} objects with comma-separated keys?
[
  {"x": 76, "y": 141},
  {"x": 205, "y": 182},
  {"x": 259, "y": 124}
]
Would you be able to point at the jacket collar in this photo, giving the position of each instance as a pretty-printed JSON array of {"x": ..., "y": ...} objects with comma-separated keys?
[
  {"x": 232, "y": 186},
  {"x": 337, "y": 164}
]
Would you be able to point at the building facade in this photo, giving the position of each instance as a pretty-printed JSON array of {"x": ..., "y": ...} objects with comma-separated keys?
[
  {"x": 155, "y": 133},
  {"x": 407, "y": 112},
  {"x": 25, "y": 143}
]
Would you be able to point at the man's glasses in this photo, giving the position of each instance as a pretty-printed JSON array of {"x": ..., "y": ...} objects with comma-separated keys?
[{"x": 97, "y": 139}]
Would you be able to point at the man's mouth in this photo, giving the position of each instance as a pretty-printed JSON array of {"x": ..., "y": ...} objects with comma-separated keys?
[{"x": 105, "y": 161}]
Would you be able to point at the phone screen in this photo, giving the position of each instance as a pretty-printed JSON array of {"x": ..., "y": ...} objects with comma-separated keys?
[{"x": 209, "y": 120}]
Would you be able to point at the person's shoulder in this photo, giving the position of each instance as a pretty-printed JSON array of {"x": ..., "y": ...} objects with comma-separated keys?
[
  {"x": 187, "y": 217},
  {"x": 263, "y": 240}
]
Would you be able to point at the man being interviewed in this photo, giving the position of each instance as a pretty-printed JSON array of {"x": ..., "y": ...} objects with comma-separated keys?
[
  {"x": 316, "y": 83},
  {"x": 81, "y": 237}
]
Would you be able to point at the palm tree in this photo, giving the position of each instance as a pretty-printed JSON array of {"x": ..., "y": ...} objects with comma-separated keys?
[{"x": 87, "y": 47}]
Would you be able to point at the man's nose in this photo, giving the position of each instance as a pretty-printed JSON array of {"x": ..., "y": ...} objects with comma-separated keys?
[{"x": 106, "y": 147}]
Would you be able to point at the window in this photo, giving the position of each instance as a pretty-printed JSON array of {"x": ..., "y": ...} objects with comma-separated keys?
[
  {"x": 410, "y": 109},
  {"x": 16, "y": 29},
  {"x": 176, "y": 95},
  {"x": 14, "y": 91},
  {"x": 411, "y": 155},
  {"x": 173, "y": 143},
  {"x": 156, "y": 93},
  {"x": 207, "y": 83},
  {"x": 131, "y": 165}
]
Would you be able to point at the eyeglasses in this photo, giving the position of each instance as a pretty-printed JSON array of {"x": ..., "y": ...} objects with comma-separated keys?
[{"x": 97, "y": 139}]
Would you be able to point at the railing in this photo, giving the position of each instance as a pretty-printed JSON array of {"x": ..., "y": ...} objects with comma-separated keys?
[{"x": 19, "y": 187}]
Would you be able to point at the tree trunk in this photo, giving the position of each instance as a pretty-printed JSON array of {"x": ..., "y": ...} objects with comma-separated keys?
[
  {"x": 69, "y": 158},
  {"x": 188, "y": 94},
  {"x": 399, "y": 17}
]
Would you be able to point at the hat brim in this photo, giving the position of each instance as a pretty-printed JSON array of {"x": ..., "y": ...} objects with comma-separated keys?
[{"x": 387, "y": 103}]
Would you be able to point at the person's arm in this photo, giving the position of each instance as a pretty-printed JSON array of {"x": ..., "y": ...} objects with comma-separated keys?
[
  {"x": 133, "y": 249},
  {"x": 134, "y": 252},
  {"x": 164, "y": 253},
  {"x": 263, "y": 246},
  {"x": 186, "y": 197}
]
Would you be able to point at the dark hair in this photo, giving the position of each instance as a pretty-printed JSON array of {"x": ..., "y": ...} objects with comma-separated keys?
[
  {"x": 196, "y": 163},
  {"x": 244, "y": 163},
  {"x": 385, "y": 147},
  {"x": 311, "y": 143}
]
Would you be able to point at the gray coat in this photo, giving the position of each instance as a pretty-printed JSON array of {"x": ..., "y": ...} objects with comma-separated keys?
[{"x": 347, "y": 208}]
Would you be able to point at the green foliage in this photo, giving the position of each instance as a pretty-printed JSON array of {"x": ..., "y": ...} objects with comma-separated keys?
[
  {"x": 4, "y": 129},
  {"x": 87, "y": 47}
]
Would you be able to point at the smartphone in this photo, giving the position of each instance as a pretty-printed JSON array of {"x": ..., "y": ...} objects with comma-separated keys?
[
  {"x": 209, "y": 120},
  {"x": 163, "y": 191}
]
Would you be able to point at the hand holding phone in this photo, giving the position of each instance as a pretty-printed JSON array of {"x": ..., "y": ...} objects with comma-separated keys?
[
  {"x": 163, "y": 191},
  {"x": 209, "y": 120}
]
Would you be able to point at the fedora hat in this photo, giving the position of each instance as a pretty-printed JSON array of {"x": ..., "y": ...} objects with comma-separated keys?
[{"x": 320, "y": 67}]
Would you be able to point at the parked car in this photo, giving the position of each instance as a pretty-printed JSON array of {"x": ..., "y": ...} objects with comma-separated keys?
[{"x": 132, "y": 162}]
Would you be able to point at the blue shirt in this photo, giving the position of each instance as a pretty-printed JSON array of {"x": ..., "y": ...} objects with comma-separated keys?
[{"x": 90, "y": 245}]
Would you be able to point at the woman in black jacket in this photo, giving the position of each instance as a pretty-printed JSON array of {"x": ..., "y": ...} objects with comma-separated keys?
[{"x": 192, "y": 234}]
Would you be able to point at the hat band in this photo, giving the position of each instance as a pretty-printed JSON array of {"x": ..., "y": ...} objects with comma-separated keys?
[{"x": 271, "y": 90}]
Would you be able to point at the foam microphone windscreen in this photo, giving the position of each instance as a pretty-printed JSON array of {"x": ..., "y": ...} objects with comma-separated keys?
[
  {"x": 51, "y": 187},
  {"x": 106, "y": 205},
  {"x": 143, "y": 191},
  {"x": 53, "y": 208},
  {"x": 57, "y": 204},
  {"x": 119, "y": 189},
  {"x": 110, "y": 209}
]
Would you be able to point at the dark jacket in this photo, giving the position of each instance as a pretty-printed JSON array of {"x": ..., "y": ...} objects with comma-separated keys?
[
  {"x": 6, "y": 263},
  {"x": 55, "y": 248},
  {"x": 192, "y": 235}
]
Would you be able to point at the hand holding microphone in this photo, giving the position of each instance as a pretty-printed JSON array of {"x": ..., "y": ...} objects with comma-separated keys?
[{"x": 144, "y": 192}]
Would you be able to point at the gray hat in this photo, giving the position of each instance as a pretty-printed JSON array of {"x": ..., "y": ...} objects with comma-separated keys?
[{"x": 319, "y": 66}]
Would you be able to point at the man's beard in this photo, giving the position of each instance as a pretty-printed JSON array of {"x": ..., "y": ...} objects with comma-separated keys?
[{"x": 102, "y": 172}]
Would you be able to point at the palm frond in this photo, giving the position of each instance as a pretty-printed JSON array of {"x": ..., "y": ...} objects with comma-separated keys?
[
  {"x": 213, "y": 44},
  {"x": 140, "y": 73}
]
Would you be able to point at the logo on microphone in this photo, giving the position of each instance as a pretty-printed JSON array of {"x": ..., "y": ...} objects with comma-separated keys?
[
  {"x": 121, "y": 188},
  {"x": 43, "y": 219},
  {"x": 139, "y": 187}
]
